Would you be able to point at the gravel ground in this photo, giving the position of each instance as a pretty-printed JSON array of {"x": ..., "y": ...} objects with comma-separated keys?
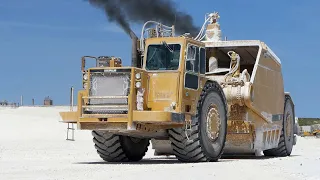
[{"x": 33, "y": 146}]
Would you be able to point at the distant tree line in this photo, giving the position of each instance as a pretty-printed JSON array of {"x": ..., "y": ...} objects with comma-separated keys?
[{"x": 308, "y": 121}]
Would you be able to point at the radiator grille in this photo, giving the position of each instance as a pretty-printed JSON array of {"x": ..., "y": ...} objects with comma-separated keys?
[{"x": 115, "y": 84}]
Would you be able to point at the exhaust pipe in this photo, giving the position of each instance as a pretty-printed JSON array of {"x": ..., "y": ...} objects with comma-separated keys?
[{"x": 134, "y": 58}]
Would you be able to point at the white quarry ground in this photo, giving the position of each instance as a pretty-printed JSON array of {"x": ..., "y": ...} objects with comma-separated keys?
[{"x": 33, "y": 146}]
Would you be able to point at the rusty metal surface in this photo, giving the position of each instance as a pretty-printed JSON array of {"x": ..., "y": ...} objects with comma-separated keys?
[
  {"x": 237, "y": 113},
  {"x": 239, "y": 144},
  {"x": 240, "y": 137},
  {"x": 239, "y": 127},
  {"x": 102, "y": 126},
  {"x": 156, "y": 126}
]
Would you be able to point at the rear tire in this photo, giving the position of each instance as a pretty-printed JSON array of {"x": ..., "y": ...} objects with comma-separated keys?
[
  {"x": 286, "y": 141},
  {"x": 116, "y": 148},
  {"x": 204, "y": 144}
]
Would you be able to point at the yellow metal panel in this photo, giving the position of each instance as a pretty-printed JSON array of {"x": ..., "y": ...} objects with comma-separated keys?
[
  {"x": 102, "y": 126},
  {"x": 116, "y": 120},
  {"x": 86, "y": 119},
  {"x": 268, "y": 88},
  {"x": 163, "y": 89},
  {"x": 69, "y": 116},
  {"x": 151, "y": 116},
  {"x": 132, "y": 97},
  {"x": 81, "y": 101}
]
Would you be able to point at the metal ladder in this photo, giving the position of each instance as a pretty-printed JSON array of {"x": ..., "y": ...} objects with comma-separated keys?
[{"x": 72, "y": 130}]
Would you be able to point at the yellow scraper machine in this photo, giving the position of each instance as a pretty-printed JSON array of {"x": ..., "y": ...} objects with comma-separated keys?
[{"x": 193, "y": 97}]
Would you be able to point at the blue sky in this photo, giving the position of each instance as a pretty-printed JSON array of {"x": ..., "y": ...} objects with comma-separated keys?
[{"x": 41, "y": 43}]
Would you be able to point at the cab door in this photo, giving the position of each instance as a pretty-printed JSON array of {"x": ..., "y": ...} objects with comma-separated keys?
[{"x": 191, "y": 78}]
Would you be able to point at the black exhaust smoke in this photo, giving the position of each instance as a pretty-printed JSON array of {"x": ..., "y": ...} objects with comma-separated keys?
[{"x": 139, "y": 11}]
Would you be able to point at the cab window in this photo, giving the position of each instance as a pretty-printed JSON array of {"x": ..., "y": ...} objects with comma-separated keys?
[
  {"x": 192, "y": 59},
  {"x": 163, "y": 56}
]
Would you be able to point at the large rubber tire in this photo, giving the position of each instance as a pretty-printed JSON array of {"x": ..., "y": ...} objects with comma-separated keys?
[
  {"x": 199, "y": 148},
  {"x": 116, "y": 148},
  {"x": 286, "y": 142}
]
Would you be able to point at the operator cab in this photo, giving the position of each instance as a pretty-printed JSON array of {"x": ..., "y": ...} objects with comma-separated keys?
[
  {"x": 163, "y": 56},
  {"x": 167, "y": 54}
]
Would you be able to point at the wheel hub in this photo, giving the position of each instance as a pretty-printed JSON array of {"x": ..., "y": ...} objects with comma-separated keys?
[{"x": 213, "y": 122}]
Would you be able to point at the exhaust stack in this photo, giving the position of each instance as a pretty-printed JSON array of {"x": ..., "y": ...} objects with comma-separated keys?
[
  {"x": 134, "y": 50},
  {"x": 135, "y": 54}
]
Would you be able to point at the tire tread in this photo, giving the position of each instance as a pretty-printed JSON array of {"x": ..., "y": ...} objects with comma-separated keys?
[
  {"x": 191, "y": 150},
  {"x": 281, "y": 150},
  {"x": 109, "y": 147}
]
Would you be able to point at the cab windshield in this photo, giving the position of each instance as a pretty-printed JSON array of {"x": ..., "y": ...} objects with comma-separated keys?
[{"x": 163, "y": 56}]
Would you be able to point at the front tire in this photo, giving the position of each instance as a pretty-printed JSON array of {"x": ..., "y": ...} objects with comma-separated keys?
[
  {"x": 286, "y": 141},
  {"x": 207, "y": 137},
  {"x": 117, "y": 148}
]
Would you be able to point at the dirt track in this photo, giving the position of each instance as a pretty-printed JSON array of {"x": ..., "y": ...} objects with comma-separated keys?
[{"x": 33, "y": 146}]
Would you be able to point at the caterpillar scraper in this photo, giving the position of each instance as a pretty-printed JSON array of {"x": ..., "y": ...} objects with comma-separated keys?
[{"x": 193, "y": 97}]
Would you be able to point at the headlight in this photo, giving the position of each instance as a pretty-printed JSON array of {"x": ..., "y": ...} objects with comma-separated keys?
[
  {"x": 138, "y": 84},
  {"x": 138, "y": 76},
  {"x": 85, "y": 76}
]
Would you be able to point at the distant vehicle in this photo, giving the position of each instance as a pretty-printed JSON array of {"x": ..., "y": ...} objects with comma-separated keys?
[{"x": 314, "y": 130}]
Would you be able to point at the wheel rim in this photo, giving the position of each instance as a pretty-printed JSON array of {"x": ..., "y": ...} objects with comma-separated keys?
[
  {"x": 213, "y": 122},
  {"x": 289, "y": 127}
]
